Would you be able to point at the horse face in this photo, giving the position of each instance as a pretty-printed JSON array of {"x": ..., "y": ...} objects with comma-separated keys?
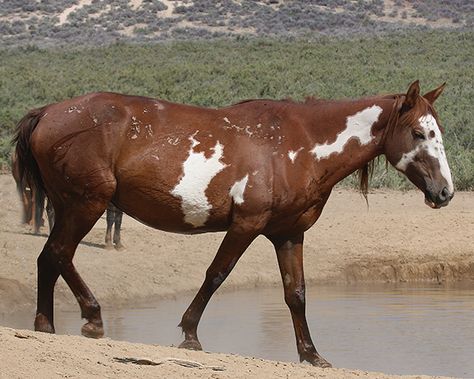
[{"x": 416, "y": 147}]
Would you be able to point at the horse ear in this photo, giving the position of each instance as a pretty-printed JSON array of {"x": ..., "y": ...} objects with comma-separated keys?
[
  {"x": 433, "y": 95},
  {"x": 412, "y": 94}
]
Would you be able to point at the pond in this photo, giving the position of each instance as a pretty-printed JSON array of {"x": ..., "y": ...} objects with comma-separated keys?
[{"x": 396, "y": 329}]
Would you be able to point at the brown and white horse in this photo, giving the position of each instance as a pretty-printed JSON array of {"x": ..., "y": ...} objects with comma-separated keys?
[{"x": 259, "y": 167}]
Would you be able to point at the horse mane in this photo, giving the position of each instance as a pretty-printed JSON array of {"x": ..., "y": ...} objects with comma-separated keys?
[
  {"x": 398, "y": 113},
  {"x": 366, "y": 172}
]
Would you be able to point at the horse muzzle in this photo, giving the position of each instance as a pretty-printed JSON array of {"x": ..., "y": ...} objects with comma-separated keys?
[{"x": 438, "y": 199}]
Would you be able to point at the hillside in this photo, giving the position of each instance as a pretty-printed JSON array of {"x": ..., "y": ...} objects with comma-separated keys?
[{"x": 53, "y": 22}]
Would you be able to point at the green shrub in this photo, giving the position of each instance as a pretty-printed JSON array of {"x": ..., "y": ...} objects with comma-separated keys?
[{"x": 220, "y": 72}]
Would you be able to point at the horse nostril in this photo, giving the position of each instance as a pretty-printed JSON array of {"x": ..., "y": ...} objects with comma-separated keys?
[{"x": 444, "y": 194}]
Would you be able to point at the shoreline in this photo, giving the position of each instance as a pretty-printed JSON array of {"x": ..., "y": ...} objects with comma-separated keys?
[{"x": 54, "y": 356}]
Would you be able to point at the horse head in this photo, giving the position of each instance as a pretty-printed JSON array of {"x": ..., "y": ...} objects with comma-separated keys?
[{"x": 414, "y": 145}]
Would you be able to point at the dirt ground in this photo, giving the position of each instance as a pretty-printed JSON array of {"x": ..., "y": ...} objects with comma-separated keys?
[{"x": 396, "y": 238}]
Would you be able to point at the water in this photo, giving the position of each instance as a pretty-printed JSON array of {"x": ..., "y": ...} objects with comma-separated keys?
[{"x": 395, "y": 329}]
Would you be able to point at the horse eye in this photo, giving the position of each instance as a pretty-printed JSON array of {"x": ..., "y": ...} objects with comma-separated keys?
[{"x": 418, "y": 135}]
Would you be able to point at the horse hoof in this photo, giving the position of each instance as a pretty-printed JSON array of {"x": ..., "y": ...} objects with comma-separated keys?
[
  {"x": 92, "y": 331},
  {"x": 190, "y": 345},
  {"x": 108, "y": 246},
  {"x": 320, "y": 362},
  {"x": 42, "y": 324},
  {"x": 119, "y": 247}
]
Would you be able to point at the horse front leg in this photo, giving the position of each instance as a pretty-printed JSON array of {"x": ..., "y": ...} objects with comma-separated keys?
[
  {"x": 231, "y": 249},
  {"x": 290, "y": 260}
]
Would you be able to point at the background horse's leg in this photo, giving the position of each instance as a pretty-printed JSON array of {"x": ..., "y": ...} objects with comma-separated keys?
[
  {"x": 290, "y": 260},
  {"x": 117, "y": 227},
  {"x": 26, "y": 203},
  {"x": 230, "y": 250},
  {"x": 110, "y": 218},
  {"x": 57, "y": 255},
  {"x": 114, "y": 219},
  {"x": 38, "y": 198}
]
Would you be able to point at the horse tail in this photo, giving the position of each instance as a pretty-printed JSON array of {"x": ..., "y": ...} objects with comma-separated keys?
[{"x": 28, "y": 168}]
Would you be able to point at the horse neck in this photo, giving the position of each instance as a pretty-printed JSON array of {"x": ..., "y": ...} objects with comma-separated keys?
[{"x": 346, "y": 136}]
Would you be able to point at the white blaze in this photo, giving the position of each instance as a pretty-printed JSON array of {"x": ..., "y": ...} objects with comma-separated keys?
[
  {"x": 433, "y": 146},
  {"x": 238, "y": 189},
  {"x": 357, "y": 126},
  {"x": 198, "y": 172}
]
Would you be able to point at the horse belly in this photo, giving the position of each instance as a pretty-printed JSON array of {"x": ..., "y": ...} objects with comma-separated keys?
[{"x": 154, "y": 194}]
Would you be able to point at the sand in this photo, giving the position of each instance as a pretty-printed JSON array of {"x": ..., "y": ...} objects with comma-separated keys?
[{"x": 396, "y": 239}]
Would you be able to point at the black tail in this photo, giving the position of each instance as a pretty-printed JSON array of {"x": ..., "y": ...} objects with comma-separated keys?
[{"x": 29, "y": 171}]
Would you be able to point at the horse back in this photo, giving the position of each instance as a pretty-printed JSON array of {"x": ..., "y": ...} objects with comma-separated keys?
[{"x": 175, "y": 167}]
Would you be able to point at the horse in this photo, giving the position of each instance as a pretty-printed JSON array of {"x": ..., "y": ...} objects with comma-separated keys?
[
  {"x": 33, "y": 207},
  {"x": 258, "y": 167}
]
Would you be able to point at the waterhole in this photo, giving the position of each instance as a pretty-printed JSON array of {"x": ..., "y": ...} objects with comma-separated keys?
[{"x": 396, "y": 329}]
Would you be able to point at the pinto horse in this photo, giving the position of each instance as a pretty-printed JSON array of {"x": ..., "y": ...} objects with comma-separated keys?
[{"x": 259, "y": 167}]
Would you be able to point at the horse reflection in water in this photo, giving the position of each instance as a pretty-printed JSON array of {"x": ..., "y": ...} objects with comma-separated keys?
[{"x": 259, "y": 167}]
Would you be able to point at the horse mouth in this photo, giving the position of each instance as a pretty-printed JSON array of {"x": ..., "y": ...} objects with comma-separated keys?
[
  {"x": 431, "y": 203},
  {"x": 434, "y": 205}
]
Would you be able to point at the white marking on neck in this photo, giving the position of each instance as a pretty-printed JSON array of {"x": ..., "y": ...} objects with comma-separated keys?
[
  {"x": 358, "y": 126},
  {"x": 198, "y": 172},
  {"x": 434, "y": 147},
  {"x": 292, "y": 154},
  {"x": 238, "y": 189}
]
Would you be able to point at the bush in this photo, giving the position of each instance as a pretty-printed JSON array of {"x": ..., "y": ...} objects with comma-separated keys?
[{"x": 220, "y": 72}]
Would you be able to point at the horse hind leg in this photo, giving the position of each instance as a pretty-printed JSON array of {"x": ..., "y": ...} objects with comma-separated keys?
[
  {"x": 231, "y": 249},
  {"x": 47, "y": 276},
  {"x": 69, "y": 229},
  {"x": 290, "y": 260}
]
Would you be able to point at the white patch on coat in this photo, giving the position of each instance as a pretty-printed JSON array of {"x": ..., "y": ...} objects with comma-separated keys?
[
  {"x": 292, "y": 154},
  {"x": 149, "y": 131},
  {"x": 193, "y": 140},
  {"x": 173, "y": 141},
  {"x": 433, "y": 146},
  {"x": 358, "y": 126},
  {"x": 238, "y": 189},
  {"x": 198, "y": 172},
  {"x": 159, "y": 105},
  {"x": 73, "y": 108},
  {"x": 246, "y": 129}
]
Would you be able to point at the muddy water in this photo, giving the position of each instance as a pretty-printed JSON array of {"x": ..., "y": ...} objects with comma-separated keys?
[{"x": 395, "y": 329}]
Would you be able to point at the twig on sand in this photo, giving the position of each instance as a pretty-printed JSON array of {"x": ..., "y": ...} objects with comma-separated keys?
[{"x": 179, "y": 362}]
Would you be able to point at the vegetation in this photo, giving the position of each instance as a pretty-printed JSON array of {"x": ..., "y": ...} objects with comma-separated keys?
[
  {"x": 25, "y": 22},
  {"x": 220, "y": 72}
]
